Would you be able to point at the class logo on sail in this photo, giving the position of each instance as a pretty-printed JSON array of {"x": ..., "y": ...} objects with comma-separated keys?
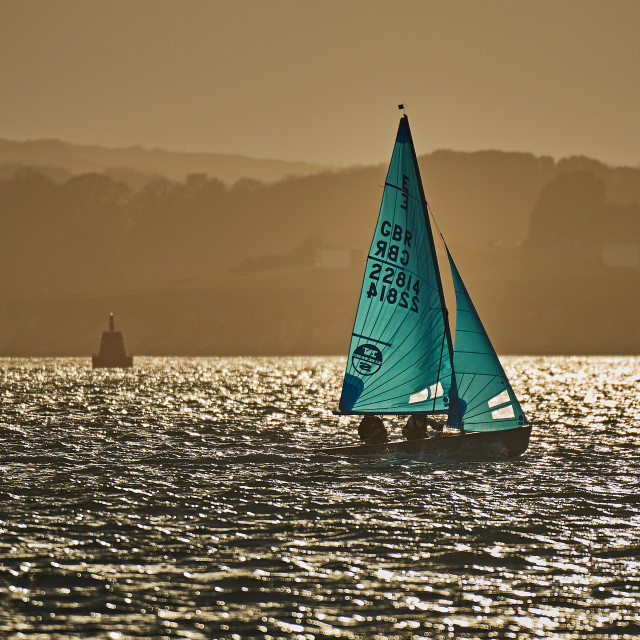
[{"x": 367, "y": 359}]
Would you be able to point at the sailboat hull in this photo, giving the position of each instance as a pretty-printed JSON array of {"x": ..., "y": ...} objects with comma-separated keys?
[{"x": 508, "y": 443}]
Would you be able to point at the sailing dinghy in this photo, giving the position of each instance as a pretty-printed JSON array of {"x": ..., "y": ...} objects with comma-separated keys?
[{"x": 402, "y": 360}]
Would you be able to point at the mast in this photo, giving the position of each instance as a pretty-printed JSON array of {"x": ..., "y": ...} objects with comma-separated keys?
[{"x": 445, "y": 311}]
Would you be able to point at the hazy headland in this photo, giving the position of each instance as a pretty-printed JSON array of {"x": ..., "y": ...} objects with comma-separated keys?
[{"x": 205, "y": 254}]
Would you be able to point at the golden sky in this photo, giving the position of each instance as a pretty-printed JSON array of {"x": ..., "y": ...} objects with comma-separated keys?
[{"x": 320, "y": 80}]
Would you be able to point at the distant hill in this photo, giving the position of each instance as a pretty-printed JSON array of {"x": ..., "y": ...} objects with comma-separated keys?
[
  {"x": 550, "y": 251},
  {"x": 74, "y": 159}
]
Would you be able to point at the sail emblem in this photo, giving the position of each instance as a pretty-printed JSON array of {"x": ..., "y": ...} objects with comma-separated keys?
[{"x": 367, "y": 359}]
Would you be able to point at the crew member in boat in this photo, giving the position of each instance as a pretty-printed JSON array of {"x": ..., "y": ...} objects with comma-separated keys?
[
  {"x": 416, "y": 427},
  {"x": 372, "y": 430}
]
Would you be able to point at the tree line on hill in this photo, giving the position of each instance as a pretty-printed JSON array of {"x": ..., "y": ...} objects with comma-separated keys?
[
  {"x": 94, "y": 235},
  {"x": 93, "y": 231}
]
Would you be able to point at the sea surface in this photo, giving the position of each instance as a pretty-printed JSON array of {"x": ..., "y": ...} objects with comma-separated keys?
[{"x": 183, "y": 499}]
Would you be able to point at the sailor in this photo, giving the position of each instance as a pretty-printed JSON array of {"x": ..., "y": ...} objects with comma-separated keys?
[
  {"x": 416, "y": 427},
  {"x": 372, "y": 430}
]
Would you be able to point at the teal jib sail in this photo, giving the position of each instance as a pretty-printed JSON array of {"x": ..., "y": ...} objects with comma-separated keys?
[
  {"x": 400, "y": 359},
  {"x": 486, "y": 401}
]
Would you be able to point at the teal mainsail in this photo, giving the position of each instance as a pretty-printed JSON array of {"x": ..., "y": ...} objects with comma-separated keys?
[
  {"x": 486, "y": 400},
  {"x": 400, "y": 358}
]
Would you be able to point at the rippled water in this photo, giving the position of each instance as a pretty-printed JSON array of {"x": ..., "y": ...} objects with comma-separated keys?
[{"x": 183, "y": 500}]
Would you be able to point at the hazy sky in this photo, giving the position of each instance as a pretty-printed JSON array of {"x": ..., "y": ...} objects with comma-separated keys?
[{"x": 320, "y": 80}]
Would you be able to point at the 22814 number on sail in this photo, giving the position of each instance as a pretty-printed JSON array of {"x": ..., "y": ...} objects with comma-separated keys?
[{"x": 394, "y": 287}]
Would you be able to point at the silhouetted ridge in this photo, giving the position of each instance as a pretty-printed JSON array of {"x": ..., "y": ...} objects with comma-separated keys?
[
  {"x": 175, "y": 165},
  {"x": 194, "y": 262},
  {"x": 573, "y": 210}
]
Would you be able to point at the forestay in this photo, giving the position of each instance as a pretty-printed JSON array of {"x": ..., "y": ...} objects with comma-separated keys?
[
  {"x": 399, "y": 359},
  {"x": 487, "y": 401}
]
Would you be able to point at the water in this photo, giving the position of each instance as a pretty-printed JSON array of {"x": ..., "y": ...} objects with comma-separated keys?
[{"x": 182, "y": 500}]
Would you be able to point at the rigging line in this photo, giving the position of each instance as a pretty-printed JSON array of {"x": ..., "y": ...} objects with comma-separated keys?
[
  {"x": 435, "y": 222},
  {"x": 444, "y": 335}
]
